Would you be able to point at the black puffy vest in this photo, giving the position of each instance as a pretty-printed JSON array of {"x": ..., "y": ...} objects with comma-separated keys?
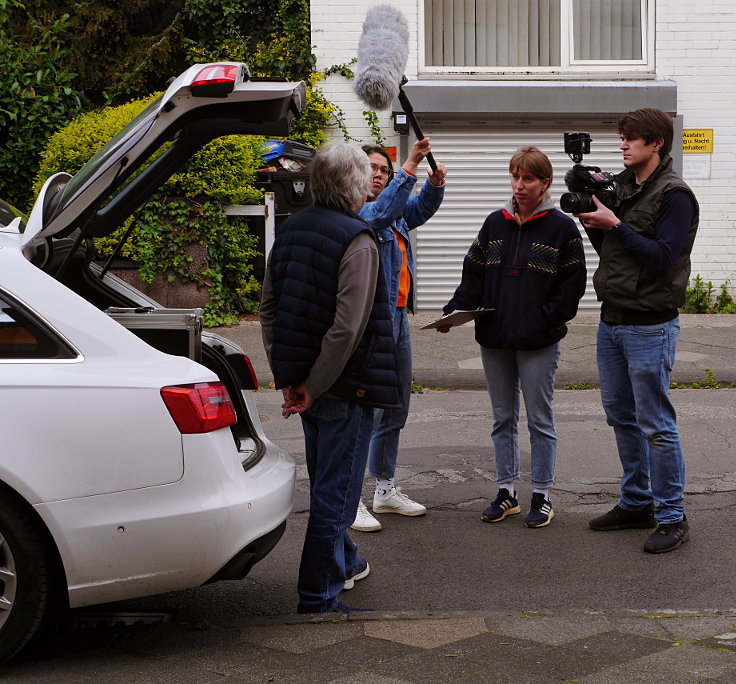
[{"x": 305, "y": 263}]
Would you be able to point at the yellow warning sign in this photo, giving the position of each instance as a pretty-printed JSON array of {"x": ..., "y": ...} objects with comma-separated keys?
[{"x": 697, "y": 140}]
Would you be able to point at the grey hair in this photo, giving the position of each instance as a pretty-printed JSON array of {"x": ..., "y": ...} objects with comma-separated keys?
[{"x": 340, "y": 177}]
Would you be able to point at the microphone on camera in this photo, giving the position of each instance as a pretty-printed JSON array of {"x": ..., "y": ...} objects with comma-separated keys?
[{"x": 382, "y": 53}]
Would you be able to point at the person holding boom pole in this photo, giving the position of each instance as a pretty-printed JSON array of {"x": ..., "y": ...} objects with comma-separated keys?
[{"x": 392, "y": 214}]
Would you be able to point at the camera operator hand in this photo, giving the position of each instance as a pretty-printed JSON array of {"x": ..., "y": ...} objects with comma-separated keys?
[{"x": 602, "y": 217}]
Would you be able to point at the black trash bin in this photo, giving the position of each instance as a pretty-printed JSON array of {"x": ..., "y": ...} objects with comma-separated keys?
[{"x": 286, "y": 175}]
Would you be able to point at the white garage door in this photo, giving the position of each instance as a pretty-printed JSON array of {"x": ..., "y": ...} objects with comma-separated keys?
[{"x": 477, "y": 159}]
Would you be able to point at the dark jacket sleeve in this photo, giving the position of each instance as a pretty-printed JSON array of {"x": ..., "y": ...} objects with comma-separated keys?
[
  {"x": 562, "y": 304},
  {"x": 470, "y": 291},
  {"x": 672, "y": 226}
]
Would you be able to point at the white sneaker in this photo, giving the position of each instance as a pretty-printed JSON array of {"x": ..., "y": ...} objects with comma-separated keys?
[
  {"x": 364, "y": 521},
  {"x": 397, "y": 502}
]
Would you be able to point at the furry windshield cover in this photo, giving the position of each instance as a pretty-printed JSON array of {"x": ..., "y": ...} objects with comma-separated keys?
[{"x": 382, "y": 53}]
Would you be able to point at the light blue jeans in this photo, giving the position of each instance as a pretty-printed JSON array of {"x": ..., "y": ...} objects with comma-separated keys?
[
  {"x": 634, "y": 364},
  {"x": 388, "y": 423},
  {"x": 509, "y": 373}
]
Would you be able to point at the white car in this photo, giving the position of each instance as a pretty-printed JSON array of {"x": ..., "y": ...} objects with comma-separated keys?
[{"x": 126, "y": 470}]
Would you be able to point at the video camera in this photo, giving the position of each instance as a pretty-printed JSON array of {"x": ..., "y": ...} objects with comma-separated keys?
[{"x": 585, "y": 181}]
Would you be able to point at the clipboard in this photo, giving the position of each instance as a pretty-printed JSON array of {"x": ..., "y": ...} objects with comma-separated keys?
[{"x": 456, "y": 318}]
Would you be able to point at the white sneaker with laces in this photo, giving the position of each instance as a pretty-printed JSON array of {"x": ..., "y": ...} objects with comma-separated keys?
[
  {"x": 397, "y": 502},
  {"x": 364, "y": 521}
]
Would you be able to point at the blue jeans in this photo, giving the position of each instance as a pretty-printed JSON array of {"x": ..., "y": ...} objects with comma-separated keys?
[
  {"x": 336, "y": 435},
  {"x": 388, "y": 423},
  {"x": 634, "y": 364},
  {"x": 509, "y": 372}
]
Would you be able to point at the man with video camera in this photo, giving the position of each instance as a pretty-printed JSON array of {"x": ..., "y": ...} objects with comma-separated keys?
[{"x": 644, "y": 242}]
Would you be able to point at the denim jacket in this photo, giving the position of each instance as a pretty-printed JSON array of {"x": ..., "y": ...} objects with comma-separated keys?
[{"x": 395, "y": 210}]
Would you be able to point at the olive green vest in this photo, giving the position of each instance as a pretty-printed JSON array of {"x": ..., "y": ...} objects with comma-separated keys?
[{"x": 621, "y": 281}]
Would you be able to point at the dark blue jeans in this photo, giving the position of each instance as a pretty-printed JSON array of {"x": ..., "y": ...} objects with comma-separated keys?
[
  {"x": 336, "y": 437},
  {"x": 634, "y": 364}
]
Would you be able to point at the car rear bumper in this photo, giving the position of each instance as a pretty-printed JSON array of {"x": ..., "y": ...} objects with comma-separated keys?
[{"x": 175, "y": 536}]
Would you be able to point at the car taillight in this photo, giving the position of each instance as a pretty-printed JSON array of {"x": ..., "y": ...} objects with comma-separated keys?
[
  {"x": 201, "y": 407},
  {"x": 215, "y": 80},
  {"x": 243, "y": 368}
]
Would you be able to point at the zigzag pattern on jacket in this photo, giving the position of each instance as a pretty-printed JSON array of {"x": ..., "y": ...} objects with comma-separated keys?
[
  {"x": 488, "y": 256},
  {"x": 544, "y": 258}
]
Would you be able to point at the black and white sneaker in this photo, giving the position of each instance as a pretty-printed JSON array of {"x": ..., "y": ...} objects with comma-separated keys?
[
  {"x": 361, "y": 571},
  {"x": 667, "y": 537},
  {"x": 504, "y": 505},
  {"x": 541, "y": 513}
]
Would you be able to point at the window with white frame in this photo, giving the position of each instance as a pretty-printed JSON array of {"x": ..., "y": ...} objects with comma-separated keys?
[{"x": 477, "y": 36}]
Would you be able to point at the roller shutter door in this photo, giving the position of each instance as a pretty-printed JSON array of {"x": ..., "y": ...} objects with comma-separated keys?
[{"x": 477, "y": 159}]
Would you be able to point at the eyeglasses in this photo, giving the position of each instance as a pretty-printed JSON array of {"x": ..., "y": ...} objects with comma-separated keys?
[{"x": 385, "y": 171}]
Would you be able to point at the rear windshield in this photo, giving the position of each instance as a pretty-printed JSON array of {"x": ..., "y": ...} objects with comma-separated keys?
[
  {"x": 112, "y": 152},
  {"x": 9, "y": 213}
]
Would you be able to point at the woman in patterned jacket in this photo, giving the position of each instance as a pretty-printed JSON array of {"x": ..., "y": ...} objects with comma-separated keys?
[{"x": 528, "y": 265}]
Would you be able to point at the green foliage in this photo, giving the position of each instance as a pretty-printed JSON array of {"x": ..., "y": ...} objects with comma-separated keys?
[
  {"x": 37, "y": 97},
  {"x": 117, "y": 50},
  {"x": 169, "y": 229},
  {"x": 342, "y": 69},
  {"x": 699, "y": 298},
  {"x": 577, "y": 386},
  {"x": 221, "y": 173},
  {"x": 710, "y": 381},
  {"x": 375, "y": 127},
  {"x": 71, "y": 148},
  {"x": 317, "y": 115},
  {"x": 272, "y": 36},
  {"x": 724, "y": 301}
]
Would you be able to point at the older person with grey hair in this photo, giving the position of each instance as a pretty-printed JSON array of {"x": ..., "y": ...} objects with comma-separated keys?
[{"x": 327, "y": 332}]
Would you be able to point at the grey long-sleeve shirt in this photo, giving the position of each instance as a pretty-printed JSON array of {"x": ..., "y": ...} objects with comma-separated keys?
[{"x": 356, "y": 287}]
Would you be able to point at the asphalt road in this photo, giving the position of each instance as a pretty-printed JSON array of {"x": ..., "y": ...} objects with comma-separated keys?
[{"x": 450, "y": 560}]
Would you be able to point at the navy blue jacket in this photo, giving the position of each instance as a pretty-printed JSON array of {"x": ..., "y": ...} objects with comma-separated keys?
[
  {"x": 305, "y": 264},
  {"x": 532, "y": 274}
]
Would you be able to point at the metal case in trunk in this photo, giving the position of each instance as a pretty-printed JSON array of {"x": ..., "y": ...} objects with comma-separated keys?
[{"x": 173, "y": 331}]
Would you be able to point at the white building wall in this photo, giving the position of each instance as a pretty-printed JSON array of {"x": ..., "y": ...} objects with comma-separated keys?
[{"x": 695, "y": 47}]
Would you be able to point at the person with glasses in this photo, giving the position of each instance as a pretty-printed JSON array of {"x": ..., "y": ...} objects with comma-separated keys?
[{"x": 393, "y": 212}]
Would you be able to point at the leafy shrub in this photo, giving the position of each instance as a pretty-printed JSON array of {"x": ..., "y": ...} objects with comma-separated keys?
[
  {"x": 37, "y": 97},
  {"x": 221, "y": 173},
  {"x": 699, "y": 298}
]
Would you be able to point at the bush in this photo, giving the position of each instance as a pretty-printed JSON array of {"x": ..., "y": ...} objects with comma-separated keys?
[
  {"x": 699, "y": 298},
  {"x": 221, "y": 173},
  {"x": 37, "y": 97}
]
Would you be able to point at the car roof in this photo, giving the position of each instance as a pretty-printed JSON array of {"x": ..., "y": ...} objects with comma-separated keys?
[{"x": 205, "y": 102}]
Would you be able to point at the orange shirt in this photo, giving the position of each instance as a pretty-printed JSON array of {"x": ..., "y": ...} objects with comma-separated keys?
[{"x": 404, "y": 277}]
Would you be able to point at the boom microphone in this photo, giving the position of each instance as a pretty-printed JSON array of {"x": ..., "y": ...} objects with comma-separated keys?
[{"x": 382, "y": 53}]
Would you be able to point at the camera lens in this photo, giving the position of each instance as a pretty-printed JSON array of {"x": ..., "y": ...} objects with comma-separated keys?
[{"x": 576, "y": 202}]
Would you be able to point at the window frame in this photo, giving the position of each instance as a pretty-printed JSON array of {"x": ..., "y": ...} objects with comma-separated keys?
[{"x": 569, "y": 65}]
